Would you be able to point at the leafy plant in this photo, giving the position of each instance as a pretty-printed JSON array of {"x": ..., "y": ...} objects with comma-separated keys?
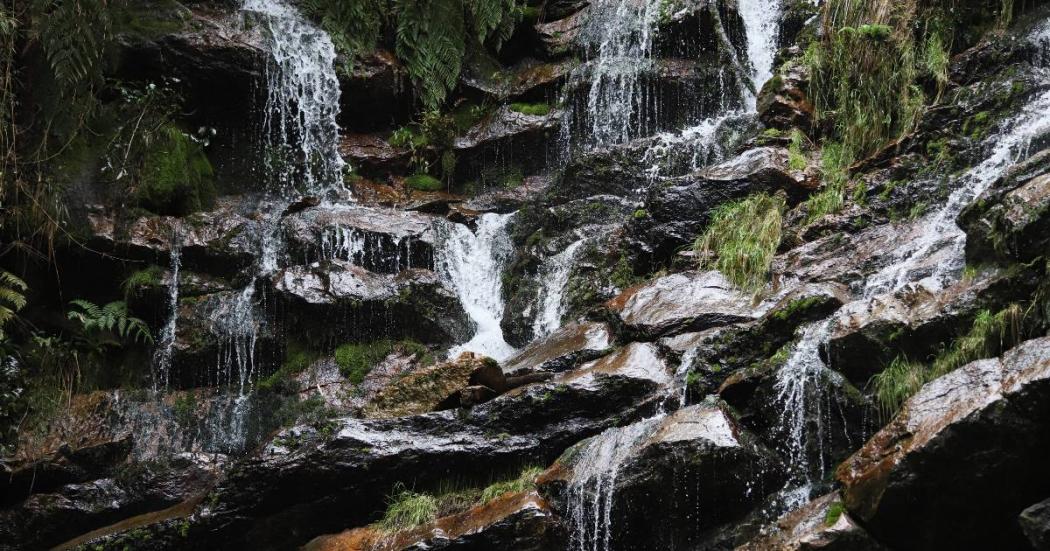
[
  {"x": 525, "y": 481},
  {"x": 835, "y": 161},
  {"x": 111, "y": 318},
  {"x": 12, "y": 299},
  {"x": 357, "y": 360},
  {"x": 796, "y": 159},
  {"x": 408, "y": 509},
  {"x": 741, "y": 239}
]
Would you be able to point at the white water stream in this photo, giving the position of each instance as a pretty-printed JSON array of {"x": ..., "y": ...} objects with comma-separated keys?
[
  {"x": 553, "y": 279},
  {"x": 162, "y": 355},
  {"x": 471, "y": 263}
]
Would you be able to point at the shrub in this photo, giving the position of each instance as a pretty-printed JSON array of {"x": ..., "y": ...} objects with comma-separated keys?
[{"x": 742, "y": 238}]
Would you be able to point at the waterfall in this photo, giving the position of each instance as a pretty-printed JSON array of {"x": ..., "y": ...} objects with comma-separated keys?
[
  {"x": 302, "y": 99},
  {"x": 472, "y": 265},
  {"x": 617, "y": 37},
  {"x": 554, "y": 278},
  {"x": 589, "y": 496},
  {"x": 163, "y": 353},
  {"x": 761, "y": 18}
]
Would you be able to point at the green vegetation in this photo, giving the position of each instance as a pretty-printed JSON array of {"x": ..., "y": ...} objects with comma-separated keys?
[
  {"x": 407, "y": 509},
  {"x": 989, "y": 335},
  {"x": 111, "y": 318},
  {"x": 141, "y": 280},
  {"x": 834, "y": 513},
  {"x": 297, "y": 358},
  {"x": 424, "y": 182},
  {"x": 834, "y": 164},
  {"x": 432, "y": 37},
  {"x": 535, "y": 109},
  {"x": 12, "y": 299},
  {"x": 357, "y": 360},
  {"x": 176, "y": 177},
  {"x": 796, "y": 158},
  {"x": 742, "y": 238}
]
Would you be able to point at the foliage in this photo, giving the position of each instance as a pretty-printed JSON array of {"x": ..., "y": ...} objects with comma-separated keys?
[
  {"x": 741, "y": 239},
  {"x": 176, "y": 176},
  {"x": 525, "y": 481},
  {"x": 141, "y": 280},
  {"x": 111, "y": 318},
  {"x": 424, "y": 182},
  {"x": 989, "y": 335},
  {"x": 796, "y": 159},
  {"x": 357, "y": 360},
  {"x": 535, "y": 109},
  {"x": 408, "y": 509},
  {"x": 12, "y": 299},
  {"x": 431, "y": 36},
  {"x": 834, "y": 513},
  {"x": 297, "y": 358},
  {"x": 834, "y": 165}
]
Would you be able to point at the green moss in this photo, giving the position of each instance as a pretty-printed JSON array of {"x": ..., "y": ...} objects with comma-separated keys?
[
  {"x": 534, "y": 109},
  {"x": 525, "y": 481},
  {"x": 833, "y": 513},
  {"x": 641, "y": 214},
  {"x": 176, "y": 177},
  {"x": 357, "y": 360},
  {"x": 796, "y": 307},
  {"x": 796, "y": 159},
  {"x": 297, "y": 358},
  {"x": 424, "y": 182}
]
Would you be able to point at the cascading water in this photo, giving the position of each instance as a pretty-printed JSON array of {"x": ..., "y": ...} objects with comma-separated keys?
[
  {"x": 166, "y": 343},
  {"x": 472, "y": 265},
  {"x": 554, "y": 278},
  {"x": 590, "y": 494},
  {"x": 761, "y": 18},
  {"x": 302, "y": 99},
  {"x": 618, "y": 39}
]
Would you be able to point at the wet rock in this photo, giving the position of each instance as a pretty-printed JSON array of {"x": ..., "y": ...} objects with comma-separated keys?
[
  {"x": 438, "y": 387},
  {"x": 505, "y": 201},
  {"x": 562, "y": 350},
  {"x": 530, "y": 80},
  {"x": 509, "y": 139},
  {"x": 783, "y": 102},
  {"x": 687, "y": 301},
  {"x": 1035, "y": 523},
  {"x": 822, "y": 524},
  {"x": 913, "y": 485},
  {"x": 557, "y": 37},
  {"x": 698, "y": 458},
  {"x": 372, "y": 156},
  {"x": 377, "y": 93},
  {"x": 613, "y": 171},
  {"x": 521, "y": 521},
  {"x": 1012, "y": 219},
  {"x": 47, "y": 519},
  {"x": 338, "y": 300},
  {"x": 914, "y": 322},
  {"x": 678, "y": 210},
  {"x": 312, "y": 481},
  {"x": 381, "y": 240},
  {"x": 216, "y": 242}
]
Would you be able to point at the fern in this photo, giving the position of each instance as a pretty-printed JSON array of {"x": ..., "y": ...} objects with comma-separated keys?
[
  {"x": 112, "y": 318},
  {"x": 73, "y": 34},
  {"x": 12, "y": 298}
]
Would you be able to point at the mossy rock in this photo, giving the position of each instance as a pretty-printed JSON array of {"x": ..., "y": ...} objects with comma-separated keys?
[
  {"x": 424, "y": 182},
  {"x": 176, "y": 177}
]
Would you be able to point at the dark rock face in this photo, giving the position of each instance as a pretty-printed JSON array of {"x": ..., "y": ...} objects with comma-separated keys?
[
  {"x": 1012, "y": 220},
  {"x": 678, "y": 210},
  {"x": 521, "y": 521},
  {"x": 698, "y": 458},
  {"x": 311, "y": 481},
  {"x": 821, "y": 524},
  {"x": 988, "y": 418},
  {"x": 321, "y": 297},
  {"x": 1035, "y": 523},
  {"x": 508, "y": 139},
  {"x": 677, "y": 303},
  {"x": 377, "y": 93},
  {"x": 783, "y": 102}
]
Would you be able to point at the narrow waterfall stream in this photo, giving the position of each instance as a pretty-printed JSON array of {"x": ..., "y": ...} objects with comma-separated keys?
[
  {"x": 761, "y": 18},
  {"x": 162, "y": 354},
  {"x": 554, "y": 277},
  {"x": 472, "y": 265}
]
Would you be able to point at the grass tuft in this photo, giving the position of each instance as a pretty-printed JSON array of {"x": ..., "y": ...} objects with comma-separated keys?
[
  {"x": 742, "y": 238},
  {"x": 407, "y": 509},
  {"x": 424, "y": 182}
]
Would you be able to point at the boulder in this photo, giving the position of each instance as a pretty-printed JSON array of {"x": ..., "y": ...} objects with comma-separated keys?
[
  {"x": 340, "y": 301},
  {"x": 783, "y": 102},
  {"x": 913, "y": 485},
  {"x": 521, "y": 521},
  {"x": 682, "y": 302},
  {"x": 376, "y": 93},
  {"x": 1035, "y": 523},
  {"x": 372, "y": 156},
  {"x": 320, "y": 479},
  {"x": 612, "y": 486},
  {"x": 1011, "y": 221},
  {"x": 822, "y": 524},
  {"x": 507, "y": 139},
  {"x": 678, "y": 210},
  {"x": 378, "y": 239},
  {"x": 562, "y": 350},
  {"x": 437, "y": 387},
  {"x": 528, "y": 80}
]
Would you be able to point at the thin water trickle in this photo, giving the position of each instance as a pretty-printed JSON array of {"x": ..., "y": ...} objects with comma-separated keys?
[
  {"x": 302, "y": 99},
  {"x": 472, "y": 263},
  {"x": 761, "y": 18},
  {"x": 162, "y": 355},
  {"x": 554, "y": 279}
]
